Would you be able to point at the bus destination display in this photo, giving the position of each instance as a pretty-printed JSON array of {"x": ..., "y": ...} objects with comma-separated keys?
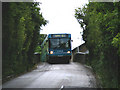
[{"x": 56, "y": 36}]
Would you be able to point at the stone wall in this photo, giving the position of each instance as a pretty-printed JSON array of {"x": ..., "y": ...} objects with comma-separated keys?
[{"x": 80, "y": 55}]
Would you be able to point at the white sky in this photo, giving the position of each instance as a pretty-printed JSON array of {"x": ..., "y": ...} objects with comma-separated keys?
[{"x": 60, "y": 14}]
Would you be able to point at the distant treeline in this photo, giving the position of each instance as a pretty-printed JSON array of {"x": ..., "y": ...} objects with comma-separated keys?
[
  {"x": 101, "y": 32},
  {"x": 21, "y": 22}
]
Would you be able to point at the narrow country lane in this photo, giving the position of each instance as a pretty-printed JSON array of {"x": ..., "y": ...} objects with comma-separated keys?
[{"x": 55, "y": 76}]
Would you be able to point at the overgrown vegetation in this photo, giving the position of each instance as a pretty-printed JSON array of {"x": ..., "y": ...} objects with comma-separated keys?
[
  {"x": 100, "y": 24},
  {"x": 21, "y": 24},
  {"x": 41, "y": 39}
]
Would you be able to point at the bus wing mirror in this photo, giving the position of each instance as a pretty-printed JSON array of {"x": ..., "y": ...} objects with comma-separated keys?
[{"x": 71, "y": 40}]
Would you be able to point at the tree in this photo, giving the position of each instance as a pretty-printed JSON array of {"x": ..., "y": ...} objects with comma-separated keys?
[
  {"x": 21, "y": 25},
  {"x": 100, "y": 24}
]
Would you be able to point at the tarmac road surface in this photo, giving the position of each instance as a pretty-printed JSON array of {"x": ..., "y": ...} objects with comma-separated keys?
[{"x": 55, "y": 76}]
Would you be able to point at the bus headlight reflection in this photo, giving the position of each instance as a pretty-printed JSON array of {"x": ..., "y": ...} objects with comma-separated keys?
[
  {"x": 68, "y": 51},
  {"x": 51, "y": 52}
]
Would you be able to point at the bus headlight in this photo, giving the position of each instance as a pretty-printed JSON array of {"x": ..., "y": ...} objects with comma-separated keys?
[
  {"x": 51, "y": 52},
  {"x": 68, "y": 51}
]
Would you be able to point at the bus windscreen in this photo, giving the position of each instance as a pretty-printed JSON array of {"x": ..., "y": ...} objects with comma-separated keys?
[{"x": 59, "y": 43}]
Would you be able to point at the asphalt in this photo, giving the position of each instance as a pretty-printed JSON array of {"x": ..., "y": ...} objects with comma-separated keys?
[{"x": 62, "y": 76}]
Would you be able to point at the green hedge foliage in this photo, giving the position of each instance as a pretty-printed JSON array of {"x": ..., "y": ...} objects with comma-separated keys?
[
  {"x": 21, "y": 22},
  {"x": 100, "y": 23}
]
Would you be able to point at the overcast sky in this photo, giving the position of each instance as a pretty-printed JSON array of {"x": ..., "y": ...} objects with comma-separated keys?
[{"x": 60, "y": 14}]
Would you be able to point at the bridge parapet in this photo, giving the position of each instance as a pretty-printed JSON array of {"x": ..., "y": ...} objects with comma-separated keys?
[{"x": 80, "y": 53}]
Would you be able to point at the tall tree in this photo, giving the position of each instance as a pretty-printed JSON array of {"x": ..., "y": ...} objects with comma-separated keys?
[
  {"x": 100, "y": 24},
  {"x": 21, "y": 25}
]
